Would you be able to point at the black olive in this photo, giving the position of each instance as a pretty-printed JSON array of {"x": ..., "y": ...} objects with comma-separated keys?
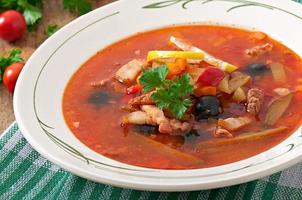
[
  {"x": 99, "y": 98},
  {"x": 145, "y": 129},
  {"x": 207, "y": 107},
  {"x": 192, "y": 133},
  {"x": 256, "y": 69}
]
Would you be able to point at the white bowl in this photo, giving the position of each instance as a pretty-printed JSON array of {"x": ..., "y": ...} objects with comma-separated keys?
[{"x": 39, "y": 91}]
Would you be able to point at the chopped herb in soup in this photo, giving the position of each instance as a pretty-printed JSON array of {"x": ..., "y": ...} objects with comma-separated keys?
[{"x": 186, "y": 97}]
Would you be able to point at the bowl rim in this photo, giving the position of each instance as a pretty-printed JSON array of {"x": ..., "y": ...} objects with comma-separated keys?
[{"x": 134, "y": 185}]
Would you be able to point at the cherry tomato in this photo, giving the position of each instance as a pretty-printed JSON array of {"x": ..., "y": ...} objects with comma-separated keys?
[
  {"x": 11, "y": 75},
  {"x": 12, "y": 25}
]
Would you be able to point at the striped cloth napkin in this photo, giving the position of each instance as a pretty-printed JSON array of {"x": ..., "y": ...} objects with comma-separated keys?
[{"x": 25, "y": 174}]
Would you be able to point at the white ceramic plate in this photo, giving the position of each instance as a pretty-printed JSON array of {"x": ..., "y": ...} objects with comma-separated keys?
[{"x": 39, "y": 91}]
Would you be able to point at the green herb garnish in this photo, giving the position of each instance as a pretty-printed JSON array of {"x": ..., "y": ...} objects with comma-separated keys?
[
  {"x": 80, "y": 6},
  {"x": 51, "y": 29},
  {"x": 31, "y": 11},
  {"x": 154, "y": 78},
  {"x": 13, "y": 57},
  {"x": 169, "y": 94}
]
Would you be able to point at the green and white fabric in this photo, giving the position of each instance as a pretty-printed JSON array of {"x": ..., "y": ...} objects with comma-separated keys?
[{"x": 25, "y": 174}]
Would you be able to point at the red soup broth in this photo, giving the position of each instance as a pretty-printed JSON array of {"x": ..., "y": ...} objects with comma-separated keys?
[{"x": 99, "y": 127}]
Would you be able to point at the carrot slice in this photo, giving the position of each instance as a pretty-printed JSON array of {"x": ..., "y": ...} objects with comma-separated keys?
[
  {"x": 178, "y": 67},
  {"x": 299, "y": 88},
  {"x": 204, "y": 91}
]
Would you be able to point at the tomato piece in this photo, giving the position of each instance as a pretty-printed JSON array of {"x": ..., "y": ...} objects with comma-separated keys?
[
  {"x": 134, "y": 89},
  {"x": 12, "y": 25},
  {"x": 11, "y": 75},
  {"x": 211, "y": 77}
]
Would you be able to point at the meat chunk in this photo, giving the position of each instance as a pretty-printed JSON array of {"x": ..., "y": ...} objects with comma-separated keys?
[
  {"x": 128, "y": 72},
  {"x": 255, "y": 99},
  {"x": 259, "y": 50},
  {"x": 138, "y": 117},
  {"x": 257, "y": 36},
  {"x": 220, "y": 132},
  {"x": 99, "y": 84},
  {"x": 148, "y": 115},
  {"x": 118, "y": 87},
  {"x": 233, "y": 124},
  {"x": 167, "y": 126},
  {"x": 129, "y": 108},
  {"x": 175, "y": 127},
  {"x": 282, "y": 91},
  {"x": 144, "y": 99},
  {"x": 154, "y": 116},
  {"x": 76, "y": 124}
]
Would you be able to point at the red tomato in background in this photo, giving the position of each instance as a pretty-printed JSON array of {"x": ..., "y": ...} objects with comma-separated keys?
[
  {"x": 11, "y": 75},
  {"x": 12, "y": 25}
]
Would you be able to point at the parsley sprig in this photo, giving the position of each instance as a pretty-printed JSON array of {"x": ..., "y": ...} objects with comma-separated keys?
[
  {"x": 51, "y": 29},
  {"x": 13, "y": 57},
  {"x": 169, "y": 94},
  {"x": 80, "y": 6}
]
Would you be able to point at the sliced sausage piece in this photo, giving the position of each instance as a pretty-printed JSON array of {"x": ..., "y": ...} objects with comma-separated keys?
[
  {"x": 128, "y": 72},
  {"x": 255, "y": 99}
]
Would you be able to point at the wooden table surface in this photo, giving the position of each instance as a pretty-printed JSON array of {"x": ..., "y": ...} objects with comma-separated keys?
[{"x": 53, "y": 13}]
